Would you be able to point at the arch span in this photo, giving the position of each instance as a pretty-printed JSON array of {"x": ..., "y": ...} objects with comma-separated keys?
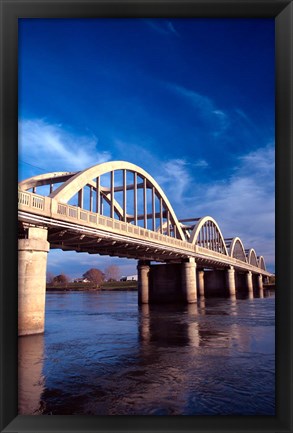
[
  {"x": 92, "y": 177},
  {"x": 207, "y": 233},
  {"x": 45, "y": 179},
  {"x": 251, "y": 257},
  {"x": 261, "y": 263},
  {"x": 237, "y": 250}
]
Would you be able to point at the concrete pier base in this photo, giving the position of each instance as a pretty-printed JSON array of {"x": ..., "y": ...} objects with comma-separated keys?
[
  {"x": 168, "y": 283},
  {"x": 143, "y": 269},
  {"x": 32, "y": 266},
  {"x": 231, "y": 281},
  {"x": 189, "y": 281},
  {"x": 200, "y": 283}
]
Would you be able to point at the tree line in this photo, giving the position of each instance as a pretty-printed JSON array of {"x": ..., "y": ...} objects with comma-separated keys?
[{"x": 93, "y": 275}]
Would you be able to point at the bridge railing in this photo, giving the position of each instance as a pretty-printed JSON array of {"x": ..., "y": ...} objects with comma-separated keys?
[
  {"x": 49, "y": 207},
  {"x": 45, "y": 206},
  {"x": 92, "y": 219},
  {"x": 35, "y": 202}
]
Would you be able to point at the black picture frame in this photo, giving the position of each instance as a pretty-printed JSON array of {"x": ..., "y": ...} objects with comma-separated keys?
[{"x": 11, "y": 11}]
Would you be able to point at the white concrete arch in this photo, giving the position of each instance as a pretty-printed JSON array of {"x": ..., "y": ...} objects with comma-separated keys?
[
  {"x": 75, "y": 183},
  {"x": 164, "y": 229},
  {"x": 252, "y": 258},
  {"x": 45, "y": 179},
  {"x": 214, "y": 238},
  {"x": 58, "y": 177},
  {"x": 237, "y": 241},
  {"x": 261, "y": 263}
]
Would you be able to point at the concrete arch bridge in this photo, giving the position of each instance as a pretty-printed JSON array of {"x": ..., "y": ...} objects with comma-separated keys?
[{"x": 118, "y": 209}]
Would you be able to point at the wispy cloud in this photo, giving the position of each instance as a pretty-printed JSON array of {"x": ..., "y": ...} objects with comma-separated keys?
[
  {"x": 51, "y": 147},
  {"x": 162, "y": 26},
  {"x": 205, "y": 108},
  {"x": 261, "y": 162},
  {"x": 200, "y": 163},
  {"x": 172, "y": 28},
  {"x": 174, "y": 176}
]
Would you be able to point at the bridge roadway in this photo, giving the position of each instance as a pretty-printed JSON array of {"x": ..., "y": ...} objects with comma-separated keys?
[{"x": 118, "y": 209}]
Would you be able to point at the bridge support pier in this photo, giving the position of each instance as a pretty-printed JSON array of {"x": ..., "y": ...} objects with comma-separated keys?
[
  {"x": 189, "y": 280},
  {"x": 200, "y": 282},
  {"x": 260, "y": 285},
  {"x": 32, "y": 266},
  {"x": 231, "y": 281},
  {"x": 260, "y": 282},
  {"x": 249, "y": 282},
  {"x": 143, "y": 269}
]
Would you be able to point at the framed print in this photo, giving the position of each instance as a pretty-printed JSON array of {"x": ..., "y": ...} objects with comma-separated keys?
[{"x": 150, "y": 148}]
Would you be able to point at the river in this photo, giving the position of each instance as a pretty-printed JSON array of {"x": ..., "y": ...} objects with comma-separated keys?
[{"x": 101, "y": 354}]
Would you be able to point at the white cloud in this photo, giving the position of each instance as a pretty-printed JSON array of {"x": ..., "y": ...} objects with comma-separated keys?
[
  {"x": 196, "y": 99},
  {"x": 52, "y": 148},
  {"x": 200, "y": 163},
  {"x": 174, "y": 178},
  {"x": 260, "y": 161}
]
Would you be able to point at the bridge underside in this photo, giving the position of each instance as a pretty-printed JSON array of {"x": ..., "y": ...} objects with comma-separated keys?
[
  {"x": 70, "y": 239},
  {"x": 73, "y": 238}
]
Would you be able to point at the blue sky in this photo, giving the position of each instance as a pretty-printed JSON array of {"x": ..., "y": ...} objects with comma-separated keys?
[{"x": 191, "y": 101}]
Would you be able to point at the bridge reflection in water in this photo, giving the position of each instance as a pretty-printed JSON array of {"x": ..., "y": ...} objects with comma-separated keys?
[
  {"x": 118, "y": 209},
  {"x": 101, "y": 355}
]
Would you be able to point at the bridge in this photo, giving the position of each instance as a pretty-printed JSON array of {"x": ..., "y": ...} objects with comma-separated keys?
[{"x": 117, "y": 209}]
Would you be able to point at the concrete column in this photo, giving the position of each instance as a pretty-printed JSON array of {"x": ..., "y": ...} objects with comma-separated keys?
[
  {"x": 143, "y": 270},
  {"x": 260, "y": 285},
  {"x": 249, "y": 282},
  {"x": 189, "y": 280},
  {"x": 200, "y": 280},
  {"x": 144, "y": 329},
  {"x": 32, "y": 266},
  {"x": 30, "y": 378},
  {"x": 231, "y": 281}
]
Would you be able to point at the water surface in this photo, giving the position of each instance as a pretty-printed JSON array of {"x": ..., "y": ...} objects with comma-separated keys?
[{"x": 103, "y": 355}]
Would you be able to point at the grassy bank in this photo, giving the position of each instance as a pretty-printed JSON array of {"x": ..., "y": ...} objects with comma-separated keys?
[{"x": 83, "y": 287}]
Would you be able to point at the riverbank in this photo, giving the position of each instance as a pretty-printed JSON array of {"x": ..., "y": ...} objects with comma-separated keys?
[
  {"x": 86, "y": 287},
  {"x": 112, "y": 285}
]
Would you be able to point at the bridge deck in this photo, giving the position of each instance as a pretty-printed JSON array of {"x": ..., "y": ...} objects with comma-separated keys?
[{"x": 73, "y": 228}]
